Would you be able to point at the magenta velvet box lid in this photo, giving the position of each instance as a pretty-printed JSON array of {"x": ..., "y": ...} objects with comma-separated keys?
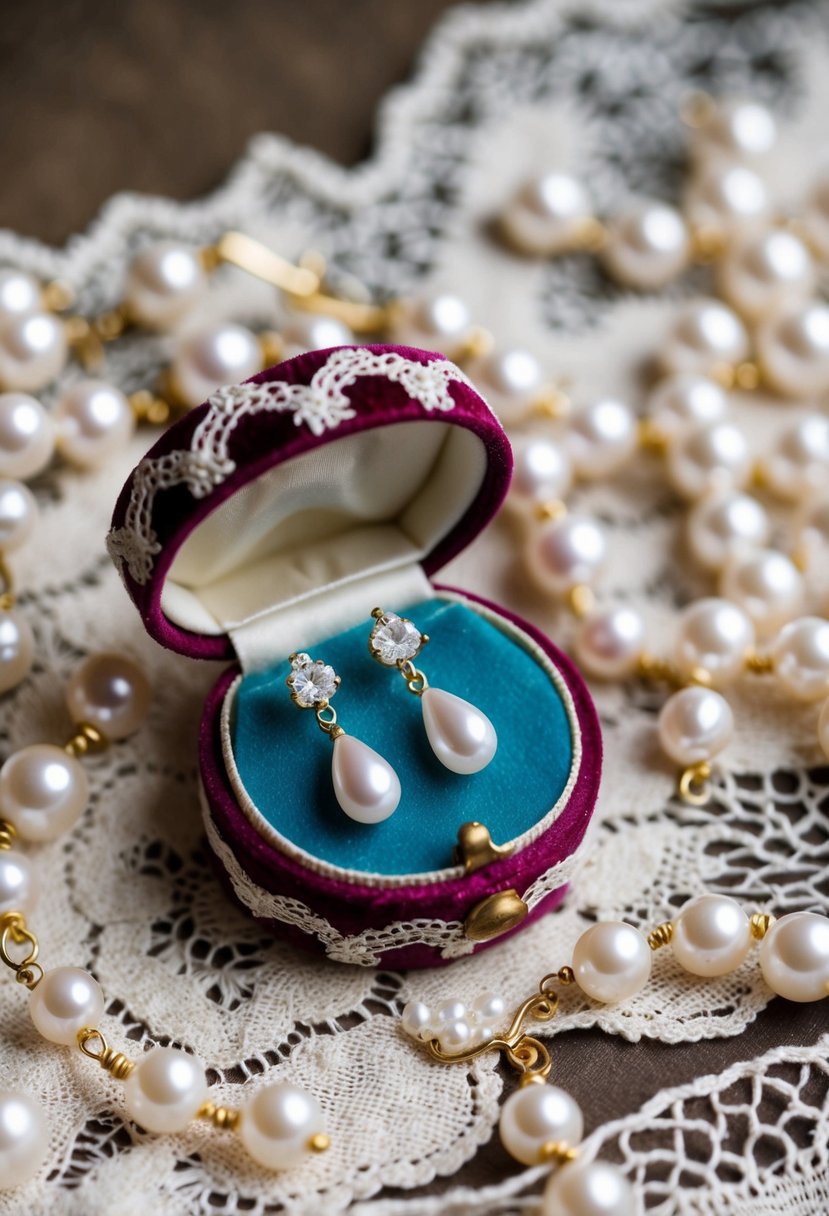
[{"x": 273, "y": 518}]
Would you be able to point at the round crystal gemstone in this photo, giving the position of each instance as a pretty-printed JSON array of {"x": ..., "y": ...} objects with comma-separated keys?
[
  {"x": 311, "y": 681},
  {"x": 394, "y": 639}
]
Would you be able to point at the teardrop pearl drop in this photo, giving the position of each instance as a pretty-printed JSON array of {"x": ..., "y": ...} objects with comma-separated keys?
[
  {"x": 462, "y": 737},
  {"x": 366, "y": 785}
]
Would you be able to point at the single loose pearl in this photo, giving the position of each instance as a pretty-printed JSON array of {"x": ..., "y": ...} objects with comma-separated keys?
[
  {"x": 93, "y": 420},
  {"x": 542, "y": 472},
  {"x": 601, "y": 436},
  {"x": 707, "y": 458},
  {"x": 724, "y": 523},
  {"x": 713, "y": 635},
  {"x": 566, "y": 552},
  {"x": 611, "y": 961},
  {"x": 310, "y": 331},
  {"x": 219, "y": 354},
  {"x": 765, "y": 273},
  {"x": 416, "y": 1020},
  {"x": 711, "y": 935},
  {"x": 794, "y": 956},
  {"x": 536, "y": 1115},
  {"x": 438, "y": 322},
  {"x": 17, "y": 649},
  {"x": 592, "y": 1188},
  {"x": 794, "y": 350},
  {"x": 18, "y": 883},
  {"x": 823, "y": 729},
  {"x": 548, "y": 215},
  {"x": 461, "y": 735},
  {"x": 799, "y": 463},
  {"x": 706, "y": 338},
  {"x": 801, "y": 658},
  {"x": 43, "y": 791},
  {"x": 767, "y": 585},
  {"x": 694, "y": 725},
  {"x": 726, "y": 200},
  {"x": 816, "y": 216},
  {"x": 18, "y": 514},
  {"x": 165, "y": 1090},
  {"x": 647, "y": 246},
  {"x": 608, "y": 642},
  {"x": 19, "y": 293},
  {"x": 365, "y": 785},
  {"x": 277, "y": 1124},
  {"x": 681, "y": 402},
  {"x": 65, "y": 1001},
  {"x": 33, "y": 350},
  {"x": 163, "y": 282},
  {"x": 24, "y": 1138},
  {"x": 510, "y": 380},
  {"x": 27, "y": 437},
  {"x": 110, "y": 692},
  {"x": 812, "y": 529},
  {"x": 742, "y": 130}
]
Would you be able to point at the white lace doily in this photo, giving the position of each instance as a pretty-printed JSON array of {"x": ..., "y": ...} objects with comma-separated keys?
[{"x": 594, "y": 85}]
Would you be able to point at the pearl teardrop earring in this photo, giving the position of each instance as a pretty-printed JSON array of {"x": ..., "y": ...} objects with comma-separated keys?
[
  {"x": 461, "y": 736},
  {"x": 366, "y": 786}
]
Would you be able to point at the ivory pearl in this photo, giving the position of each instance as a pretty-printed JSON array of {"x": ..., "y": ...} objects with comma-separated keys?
[
  {"x": 765, "y": 273},
  {"x": 611, "y": 961},
  {"x": 365, "y": 785},
  {"x": 823, "y": 729},
  {"x": 18, "y": 514},
  {"x": 726, "y": 200},
  {"x": 694, "y": 725},
  {"x": 165, "y": 1090},
  {"x": 801, "y": 658},
  {"x": 455, "y": 1037},
  {"x": 24, "y": 1138},
  {"x": 19, "y": 885},
  {"x": 542, "y": 472},
  {"x": 707, "y": 458},
  {"x": 19, "y": 293},
  {"x": 461, "y": 735},
  {"x": 110, "y": 692},
  {"x": 213, "y": 356},
  {"x": 608, "y": 642},
  {"x": 43, "y": 791},
  {"x": 17, "y": 649},
  {"x": 510, "y": 379},
  {"x": 794, "y": 957},
  {"x": 310, "y": 331},
  {"x": 277, "y": 1124},
  {"x": 33, "y": 349},
  {"x": 812, "y": 528},
  {"x": 490, "y": 1007},
  {"x": 601, "y": 437},
  {"x": 536, "y": 1115},
  {"x": 706, "y": 338},
  {"x": 93, "y": 420},
  {"x": 726, "y": 523},
  {"x": 816, "y": 216},
  {"x": 767, "y": 585},
  {"x": 416, "y": 1020},
  {"x": 163, "y": 282},
  {"x": 683, "y": 401},
  {"x": 711, "y": 936},
  {"x": 448, "y": 1012},
  {"x": 438, "y": 322},
  {"x": 592, "y": 1188},
  {"x": 713, "y": 635},
  {"x": 565, "y": 553},
  {"x": 743, "y": 130},
  {"x": 799, "y": 463},
  {"x": 65, "y": 1001},
  {"x": 548, "y": 215},
  {"x": 647, "y": 246},
  {"x": 793, "y": 347},
  {"x": 27, "y": 437}
]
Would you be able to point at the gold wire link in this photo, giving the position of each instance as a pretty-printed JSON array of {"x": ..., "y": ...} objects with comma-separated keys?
[
  {"x": 326, "y": 716},
  {"x": 760, "y": 923},
  {"x": 552, "y": 402},
  {"x": 8, "y": 832},
  {"x": 661, "y": 935},
  {"x": 707, "y": 244},
  {"x": 239, "y": 249},
  {"x": 556, "y": 1152},
  {"x": 758, "y": 664},
  {"x": 7, "y": 595},
  {"x": 694, "y": 785},
  {"x": 149, "y": 408},
  {"x": 87, "y": 740},
  {"x": 225, "y": 1118},
  {"x": 548, "y": 512},
  {"x": 526, "y": 1054},
  {"x": 14, "y": 932},
  {"x": 416, "y": 681},
  {"x": 57, "y": 296},
  {"x": 661, "y": 671},
  {"x": 114, "y": 1062},
  {"x": 581, "y": 600},
  {"x": 651, "y": 438}
]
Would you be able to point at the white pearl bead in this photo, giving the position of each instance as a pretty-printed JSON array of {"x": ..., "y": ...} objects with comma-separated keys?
[
  {"x": 601, "y": 436},
  {"x": 17, "y": 649},
  {"x": 608, "y": 642},
  {"x": 801, "y": 658},
  {"x": 416, "y": 1020},
  {"x": 794, "y": 957},
  {"x": 812, "y": 530},
  {"x": 93, "y": 420},
  {"x": 592, "y": 1188},
  {"x": 706, "y": 338},
  {"x": 27, "y": 437},
  {"x": 542, "y": 472},
  {"x": 548, "y": 215},
  {"x": 742, "y": 130},
  {"x": 163, "y": 282},
  {"x": 460, "y": 735},
  {"x": 566, "y": 552},
  {"x": 43, "y": 791},
  {"x": 19, "y": 293},
  {"x": 767, "y": 585},
  {"x": 66, "y": 1000},
  {"x": 311, "y": 331},
  {"x": 18, "y": 515},
  {"x": 823, "y": 730},
  {"x": 694, "y": 725},
  {"x": 110, "y": 692},
  {"x": 365, "y": 785},
  {"x": 611, "y": 961},
  {"x": 711, "y": 936},
  {"x": 490, "y": 1007},
  {"x": 536, "y": 1115},
  {"x": 647, "y": 246},
  {"x": 24, "y": 1138},
  {"x": 439, "y": 322},
  {"x": 19, "y": 884},
  {"x": 277, "y": 1124},
  {"x": 713, "y": 635},
  {"x": 33, "y": 349},
  {"x": 708, "y": 458},
  {"x": 765, "y": 273},
  {"x": 448, "y": 1012},
  {"x": 816, "y": 216},
  {"x": 726, "y": 200},
  {"x": 165, "y": 1090},
  {"x": 794, "y": 350},
  {"x": 217, "y": 355},
  {"x": 724, "y": 524},
  {"x": 683, "y": 401},
  {"x": 455, "y": 1037},
  {"x": 799, "y": 462},
  {"x": 510, "y": 380}
]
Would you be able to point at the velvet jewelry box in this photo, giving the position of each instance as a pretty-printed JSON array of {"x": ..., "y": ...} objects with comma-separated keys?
[{"x": 273, "y": 519}]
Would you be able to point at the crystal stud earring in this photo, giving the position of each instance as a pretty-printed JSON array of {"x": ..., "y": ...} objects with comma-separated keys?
[
  {"x": 366, "y": 786},
  {"x": 461, "y": 736}
]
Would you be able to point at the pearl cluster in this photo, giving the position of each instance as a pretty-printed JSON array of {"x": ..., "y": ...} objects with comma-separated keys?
[{"x": 455, "y": 1026}]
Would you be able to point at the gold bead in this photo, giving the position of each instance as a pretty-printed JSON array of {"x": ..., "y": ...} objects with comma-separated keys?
[
  {"x": 319, "y": 1143},
  {"x": 661, "y": 935},
  {"x": 760, "y": 923}
]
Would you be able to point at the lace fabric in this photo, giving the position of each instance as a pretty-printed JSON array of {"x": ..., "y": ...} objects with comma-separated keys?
[{"x": 131, "y": 894}]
